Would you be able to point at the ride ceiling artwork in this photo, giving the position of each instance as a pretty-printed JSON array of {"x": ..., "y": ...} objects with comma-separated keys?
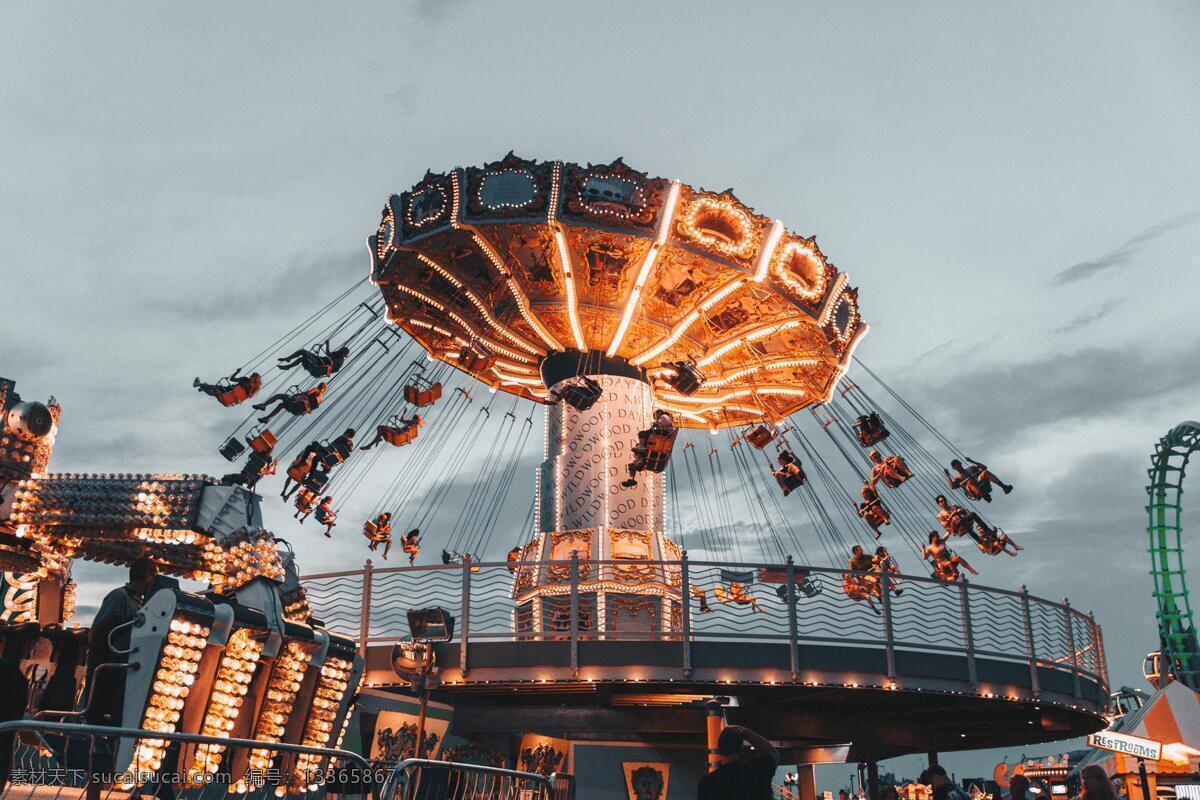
[{"x": 492, "y": 268}]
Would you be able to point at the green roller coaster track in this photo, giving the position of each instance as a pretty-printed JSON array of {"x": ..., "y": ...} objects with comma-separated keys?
[{"x": 1177, "y": 632}]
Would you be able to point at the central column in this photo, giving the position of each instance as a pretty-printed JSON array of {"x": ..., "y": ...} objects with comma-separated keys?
[
  {"x": 587, "y": 452},
  {"x": 586, "y": 457},
  {"x": 584, "y": 512}
]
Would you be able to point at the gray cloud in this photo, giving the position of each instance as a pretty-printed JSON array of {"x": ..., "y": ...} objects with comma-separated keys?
[
  {"x": 293, "y": 291},
  {"x": 1123, "y": 254},
  {"x": 990, "y": 406},
  {"x": 1083, "y": 320}
]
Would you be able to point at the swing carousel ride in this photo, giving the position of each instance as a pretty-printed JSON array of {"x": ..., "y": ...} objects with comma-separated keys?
[
  {"x": 636, "y": 310},
  {"x": 693, "y": 359}
]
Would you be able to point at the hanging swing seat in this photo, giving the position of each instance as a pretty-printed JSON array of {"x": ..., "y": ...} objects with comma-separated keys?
[
  {"x": 870, "y": 429},
  {"x": 581, "y": 396},
  {"x": 473, "y": 361},
  {"x": 760, "y": 436},
  {"x": 300, "y": 467},
  {"x": 659, "y": 443},
  {"x": 402, "y": 434},
  {"x": 240, "y": 391},
  {"x": 261, "y": 441},
  {"x": 860, "y": 587},
  {"x": 422, "y": 393},
  {"x": 315, "y": 481},
  {"x": 306, "y": 500},
  {"x": 875, "y": 514},
  {"x": 232, "y": 448},
  {"x": 684, "y": 378},
  {"x": 329, "y": 457}
]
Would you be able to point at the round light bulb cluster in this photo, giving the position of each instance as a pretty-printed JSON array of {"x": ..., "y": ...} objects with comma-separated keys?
[
  {"x": 173, "y": 679},
  {"x": 236, "y": 562},
  {"x": 229, "y": 690},
  {"x": 286, "y": 676},
  {"x": 331, "y": 689}
]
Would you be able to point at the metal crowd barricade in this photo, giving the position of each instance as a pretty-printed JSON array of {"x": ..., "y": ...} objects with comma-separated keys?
[
  {"x": 426, "y": 779},
  {"x": 56, "y": 760}
]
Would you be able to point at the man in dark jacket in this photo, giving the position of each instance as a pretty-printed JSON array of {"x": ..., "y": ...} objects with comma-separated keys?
[
  {"x": 120, "y": 606},
  {"x": 748, "y": 763}
]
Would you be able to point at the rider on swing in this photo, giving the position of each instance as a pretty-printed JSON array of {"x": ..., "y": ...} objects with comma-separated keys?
[
  {"x": 395, "y": 434},
  {"x": 258, "y": 465},
  {"x": 994, "y": 541},
  {"x": 314, "y": 362},
  {"x": 956, "y": 520},
  {"x": 891, "y": 469},
  {"x": 945, "y": 561},
  {"x": 581, "y": 397},
  {"x": 864, "y": 586},
  {"x": 326, "y": 515},
  {"x": 232, "y": 390},
  {"x": 790, "y": 474},
  {"x": 411, "y": 544},
  {"x": 298, "y": 403},
  {"x": 664, "y": 425},
  {"x": 975, "y": 480},
  {"x": 885, "y": 563},
  {"x": 872, "y": 509},
  {"x": 379, "y": 532}
]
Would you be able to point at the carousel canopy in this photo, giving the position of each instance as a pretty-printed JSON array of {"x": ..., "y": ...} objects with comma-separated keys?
[{"x": 493, "y": 268}]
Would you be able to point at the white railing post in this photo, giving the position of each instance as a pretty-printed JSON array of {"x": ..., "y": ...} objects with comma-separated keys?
[
  {"x": 1098, "y": 653},
  {"x": 1029, "y": 649},
  {"x": 793, "y": 628},
  {"x": 685, "y": 613},
  {"x": 364, "y": 619},
  {"x": 968, "y": 633},
  {"x": 889, "y": 640},
  {"x": 466, "y": 617},
  {"x": 1070, "y": 623}
]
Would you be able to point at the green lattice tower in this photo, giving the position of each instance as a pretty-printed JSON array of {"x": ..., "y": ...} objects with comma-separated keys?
[{"x": 1175, "y": 626}]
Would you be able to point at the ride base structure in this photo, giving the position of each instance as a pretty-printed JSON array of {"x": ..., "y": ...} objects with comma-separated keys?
[{"x": 599, "y": 646}]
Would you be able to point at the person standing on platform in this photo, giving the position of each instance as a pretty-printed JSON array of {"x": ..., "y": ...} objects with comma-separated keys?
[
  {"x": 1096, "y": 785},
  {"x": 1018, "y": 788},
  {"x": 748, "y": 763},
  {"x": 943, "y": 787}
]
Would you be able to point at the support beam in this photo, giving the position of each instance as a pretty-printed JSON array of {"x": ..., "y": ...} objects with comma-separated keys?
[
  {"x": 806, "y": 782},
  {"x": 873, "y": 791}
]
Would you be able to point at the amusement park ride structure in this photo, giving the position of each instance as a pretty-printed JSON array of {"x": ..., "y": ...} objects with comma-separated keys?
[
  {"x": 631, "y": 307},
  {"x": 1180, "y": 654},
  {"x": 246, "y": 659},
  {"x": 612, "y": 297}
]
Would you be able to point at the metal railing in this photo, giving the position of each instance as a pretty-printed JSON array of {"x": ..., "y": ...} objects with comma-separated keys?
[
  {"x": 426, "y": 779},
  {"x": 785, "y": 603},
  {"x": 57, "y": 760}
]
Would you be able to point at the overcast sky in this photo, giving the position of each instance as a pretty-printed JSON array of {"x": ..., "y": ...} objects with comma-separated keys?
[{"x": 1012, "y": 185}]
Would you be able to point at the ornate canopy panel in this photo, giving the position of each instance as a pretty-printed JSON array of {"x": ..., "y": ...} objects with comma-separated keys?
[{"x": 491, "y": 268}]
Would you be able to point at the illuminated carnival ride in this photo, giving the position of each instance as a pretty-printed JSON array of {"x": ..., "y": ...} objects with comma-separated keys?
[
  {"x": 692, "y": 358},
  {"x": 722, "y": 506},
  {"x": 245, "y": 659}
]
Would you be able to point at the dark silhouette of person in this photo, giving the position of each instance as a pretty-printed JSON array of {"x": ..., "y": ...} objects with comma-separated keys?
[
  {"x": 748, "y": 763},
  {"x": 104, "y": 690},
  {"x": 12, "y": 707}
]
